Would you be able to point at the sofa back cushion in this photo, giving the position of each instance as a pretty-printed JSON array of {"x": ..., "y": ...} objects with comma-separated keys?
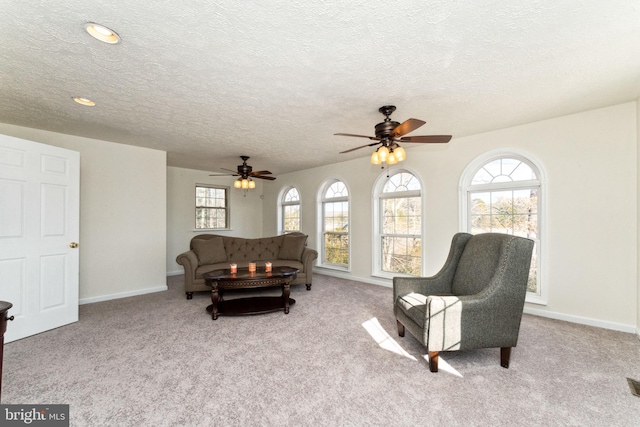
[
  {"x": 209, "y": 251},
  {"x": 262, "y": 249},
  {"x": 292, "y": 247}
]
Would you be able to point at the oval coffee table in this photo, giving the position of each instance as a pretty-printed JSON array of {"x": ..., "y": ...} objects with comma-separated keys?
[{"x": 221, "y": 280}]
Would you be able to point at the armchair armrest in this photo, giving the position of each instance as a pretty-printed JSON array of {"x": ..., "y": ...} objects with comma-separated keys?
[
  {"x": 440, "y": 283},
  {"x": 434, "y": 285}
]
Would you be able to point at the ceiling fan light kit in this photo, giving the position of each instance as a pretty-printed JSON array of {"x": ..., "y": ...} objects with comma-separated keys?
[
  {"x": 389, "y": 133},
  {"x": 245, "y": 175}
]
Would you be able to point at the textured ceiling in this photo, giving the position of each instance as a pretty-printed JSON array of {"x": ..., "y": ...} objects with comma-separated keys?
[{"x": 208, "y": 81}]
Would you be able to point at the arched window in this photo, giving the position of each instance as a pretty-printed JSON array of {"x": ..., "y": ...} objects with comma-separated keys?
[
  {"x": 290, "y": 210},
  {"x": 503, "y": 194},
  {"x": 334, "y": 212},
  {"x": 398, "y": 225}
]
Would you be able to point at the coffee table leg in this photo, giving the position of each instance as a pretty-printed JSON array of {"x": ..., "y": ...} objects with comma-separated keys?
[
  {"x": 215, "y": 297},
  {"x": 285, "y": 296}
]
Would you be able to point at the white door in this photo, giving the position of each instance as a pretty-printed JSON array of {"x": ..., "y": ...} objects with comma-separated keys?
[{"x": 39, "y": 230}]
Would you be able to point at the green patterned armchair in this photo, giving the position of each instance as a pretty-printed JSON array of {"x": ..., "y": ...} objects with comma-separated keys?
[{"x": 474, "y": 301}]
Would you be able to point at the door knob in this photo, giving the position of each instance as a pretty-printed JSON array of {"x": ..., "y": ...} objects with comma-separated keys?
[{"x": 73, "y": 245}]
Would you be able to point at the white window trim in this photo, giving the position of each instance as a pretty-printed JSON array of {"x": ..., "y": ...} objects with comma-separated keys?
[
  {"x": 320, "y": 221},
  {"x": 376, "y": 256},
  {"x": 541, "y": 297},
  {"x": 227, "y": 209},
  {"x": 282, "y": 204}
]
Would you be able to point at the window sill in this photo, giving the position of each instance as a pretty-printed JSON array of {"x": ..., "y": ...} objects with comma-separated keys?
[
  {"x": 334, "y": 267},
  {"x": 198, "y": 230}
]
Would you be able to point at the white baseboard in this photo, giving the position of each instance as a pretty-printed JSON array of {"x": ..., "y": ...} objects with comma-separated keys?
[
  {"x": 175, "y": 273},
  {"x": 536, "y": 312},
  {"x": 123, "y": 294},
  {"x": 349, "y": 276},
  {"x": 582, "y": 320}
]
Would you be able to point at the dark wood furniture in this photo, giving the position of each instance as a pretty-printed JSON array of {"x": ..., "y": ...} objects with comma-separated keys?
[
  {"x": 4, "y": 307},
  {"x": 221, "y": 280}
]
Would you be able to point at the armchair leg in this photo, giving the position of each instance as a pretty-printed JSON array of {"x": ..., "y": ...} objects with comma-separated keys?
[
  {"x": 433, "y": 361},
  {"x": 189, "y": 295},
  {"x": 308, "y": 286},
  {"x": 400, "y": 328},
  {"x": 505, "y": 355}
]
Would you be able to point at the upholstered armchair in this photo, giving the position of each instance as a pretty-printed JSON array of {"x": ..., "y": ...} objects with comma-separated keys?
[{"x": 474, "y": 301}]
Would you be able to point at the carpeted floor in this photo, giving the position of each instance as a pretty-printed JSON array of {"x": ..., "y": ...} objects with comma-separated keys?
[{"x": 334, "y": 360}]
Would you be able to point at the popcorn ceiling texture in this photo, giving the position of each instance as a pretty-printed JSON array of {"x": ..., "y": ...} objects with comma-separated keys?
[{"x": 209, "y": 81}]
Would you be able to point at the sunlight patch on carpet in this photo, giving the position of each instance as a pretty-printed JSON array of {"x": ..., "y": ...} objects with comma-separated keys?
[
  {"x": 444, "y": 366},
  {"x": 383, "y": 339}
]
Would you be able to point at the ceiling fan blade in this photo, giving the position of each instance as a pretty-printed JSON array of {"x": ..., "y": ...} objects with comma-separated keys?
[
  {"x": 270, "y": 178},
  {"x": 229, "y": 170},
  {"x": 222, "y": 174},
  {"x": 260, "y": 173},
  {"x": 357, "y": 148},
  {"x": 406, "y": 127},
  {"x": 373, "y": 138},
  {"x": 429, "y": 139}
]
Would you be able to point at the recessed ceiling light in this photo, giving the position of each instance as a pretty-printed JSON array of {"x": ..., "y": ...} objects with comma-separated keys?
[
  {"x": 84, "y": 101},
  {"x": 102, "y": 33}
]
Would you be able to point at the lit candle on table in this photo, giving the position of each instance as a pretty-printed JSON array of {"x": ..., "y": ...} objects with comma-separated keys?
[{"x": 234, "y": 268}]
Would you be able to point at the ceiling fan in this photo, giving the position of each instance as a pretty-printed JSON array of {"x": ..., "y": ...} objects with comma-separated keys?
[
  {"x": 390, "y": 133},
  {"x": 245, "y": 174}
]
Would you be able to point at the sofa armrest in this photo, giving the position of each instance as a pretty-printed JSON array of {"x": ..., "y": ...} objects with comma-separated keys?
[
  {"x": 189, "y": 261},
  {"x": 308, "y": 257}
]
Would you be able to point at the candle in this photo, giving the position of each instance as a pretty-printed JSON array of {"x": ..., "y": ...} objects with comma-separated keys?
[
  {"x": 267, "y": 267},
  {"x": 252, "y": 267},
  {"x": 234, "y": 268}
]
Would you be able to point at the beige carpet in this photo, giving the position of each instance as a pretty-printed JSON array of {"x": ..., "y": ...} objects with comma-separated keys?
[{"x": 334, "y": 360}]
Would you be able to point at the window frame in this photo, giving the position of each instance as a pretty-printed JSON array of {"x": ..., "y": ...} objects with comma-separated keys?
[
  {"x": 226, "y": 208},
  {"x": 322, "y": 200},
  {"x": 540, "y": 184},
  {"x": 283, "y": 204},
  {"x": 378, "y": 197}
]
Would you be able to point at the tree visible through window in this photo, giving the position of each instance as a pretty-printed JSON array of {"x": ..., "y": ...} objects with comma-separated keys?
[
  {"x": 335, "y": 225},
  {"x": 400, "y": 204},
  {"x": 212, "y": 207},
  {"x": 504, "y": 198},
  {"x": 291, "y": 211}
]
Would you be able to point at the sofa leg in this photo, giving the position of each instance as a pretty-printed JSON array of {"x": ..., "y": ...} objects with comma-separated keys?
[
  {"x": 400, "y": 328},
  {"x": 505, "y": 355},
  {"x": 433, "y": 361},
  {"x": 308, "y": 286},
  {"x": 189, "y": 295}
]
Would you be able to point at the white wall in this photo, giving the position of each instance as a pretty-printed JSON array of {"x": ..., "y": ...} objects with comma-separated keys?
[
  {"x": 638, "y": 186},
  {"x": 591, "y": 163},
  {"x": 246, "y": 211},
  {"x": 122, "y": 214}
]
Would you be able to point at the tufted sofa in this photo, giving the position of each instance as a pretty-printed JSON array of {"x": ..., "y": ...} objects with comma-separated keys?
[{"x": 212, "y": 252}]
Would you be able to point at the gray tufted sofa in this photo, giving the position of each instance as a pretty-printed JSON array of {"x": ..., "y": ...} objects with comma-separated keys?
[{"x": 210, "y": 252}]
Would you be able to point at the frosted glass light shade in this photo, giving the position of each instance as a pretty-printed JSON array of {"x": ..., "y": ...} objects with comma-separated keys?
[
  {"x": 383, "y": 152},
  {"x": 375, "y": 158}
]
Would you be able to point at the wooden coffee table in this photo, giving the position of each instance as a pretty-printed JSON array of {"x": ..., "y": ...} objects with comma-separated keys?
[{"x": 221, "y": 280}]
